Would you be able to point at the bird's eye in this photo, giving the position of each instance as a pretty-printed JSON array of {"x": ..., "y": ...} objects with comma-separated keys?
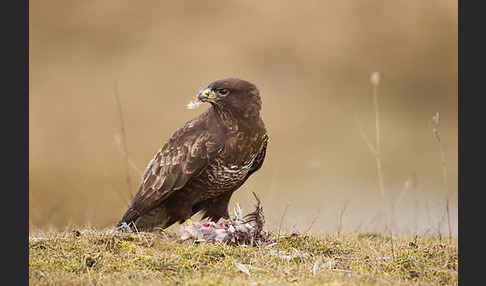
[{"x": 223, "y": 91}]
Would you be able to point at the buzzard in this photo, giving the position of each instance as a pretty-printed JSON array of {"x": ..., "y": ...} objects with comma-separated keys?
[{"x": 205, "y": 161}]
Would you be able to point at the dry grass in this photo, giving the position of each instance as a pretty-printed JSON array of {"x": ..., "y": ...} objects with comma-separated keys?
[{"x": 90, "y": 256}]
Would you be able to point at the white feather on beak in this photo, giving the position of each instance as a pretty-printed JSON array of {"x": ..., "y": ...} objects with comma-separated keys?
[{"x": 195, "y": 102}]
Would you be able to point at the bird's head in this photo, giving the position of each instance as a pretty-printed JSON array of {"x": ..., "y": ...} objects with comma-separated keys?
[{"x": 232, "y": 94}]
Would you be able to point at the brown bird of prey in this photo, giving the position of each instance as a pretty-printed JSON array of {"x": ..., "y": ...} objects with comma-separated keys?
[{"x": 205, "y": 161}]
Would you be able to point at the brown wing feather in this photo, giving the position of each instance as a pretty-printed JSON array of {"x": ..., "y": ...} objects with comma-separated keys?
[
  {"x": 188, "y": 151},
  {"x": 257, "y": 164}
]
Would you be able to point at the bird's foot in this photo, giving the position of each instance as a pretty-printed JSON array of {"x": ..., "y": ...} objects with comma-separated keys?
[
  {"x": 189, "y": 222},
  {"x": 122, "y": 227}
]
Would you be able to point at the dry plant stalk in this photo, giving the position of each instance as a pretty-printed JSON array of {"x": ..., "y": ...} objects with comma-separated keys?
[
  {"x": 282, "y": 218},
  {"x": 340, "y": 217},
  {"x": 409, "y": 183},
  {"x": 376, "y": 149},
  {"x": 436, "y": 133},
  {"x": 375, "y": 81},
  {"x": 313, "y": 221},
  {"x": 123, "y": 140}
]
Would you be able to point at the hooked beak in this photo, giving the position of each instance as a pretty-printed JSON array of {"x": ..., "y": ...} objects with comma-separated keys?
[{"x": 208, "y": 95}]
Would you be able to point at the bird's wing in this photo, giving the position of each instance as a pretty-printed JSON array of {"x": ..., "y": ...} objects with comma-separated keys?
[
  {"x": 257, "y": 164},
  {"x": 188, "y": 152}
]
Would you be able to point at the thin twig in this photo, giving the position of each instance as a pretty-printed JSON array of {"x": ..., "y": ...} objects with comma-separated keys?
[
  {"x": 340, "y": 217},
  {"x": 365, "y": 137},
  {"x": 378, "y": 142},
  {"x": 448, "y": 219},
  {"x": 406, "y": 186},
  {"x": 123, "y": 139},
  {"x": 281, "y": 220},
  {"x": 130, "y": 162},
  {"x": 313, "y": 221},
  {"x": 376, "y": 150},
  {"x": 436, "y": 133}
]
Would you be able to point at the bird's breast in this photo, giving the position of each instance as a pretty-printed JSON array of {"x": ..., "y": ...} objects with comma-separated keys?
[
  {"x": 223, "y": 174},
  {"x": 230, "y": 168}
]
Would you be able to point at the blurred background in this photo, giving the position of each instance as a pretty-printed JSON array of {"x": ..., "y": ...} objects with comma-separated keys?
[{"x": 312, "y": 63}]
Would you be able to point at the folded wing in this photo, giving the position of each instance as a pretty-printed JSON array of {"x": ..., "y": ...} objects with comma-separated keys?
[{"x": 185, "y": 155}]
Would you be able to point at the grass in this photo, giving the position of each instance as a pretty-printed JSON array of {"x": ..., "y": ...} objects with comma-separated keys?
[{"x": 82, "y": 256}]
